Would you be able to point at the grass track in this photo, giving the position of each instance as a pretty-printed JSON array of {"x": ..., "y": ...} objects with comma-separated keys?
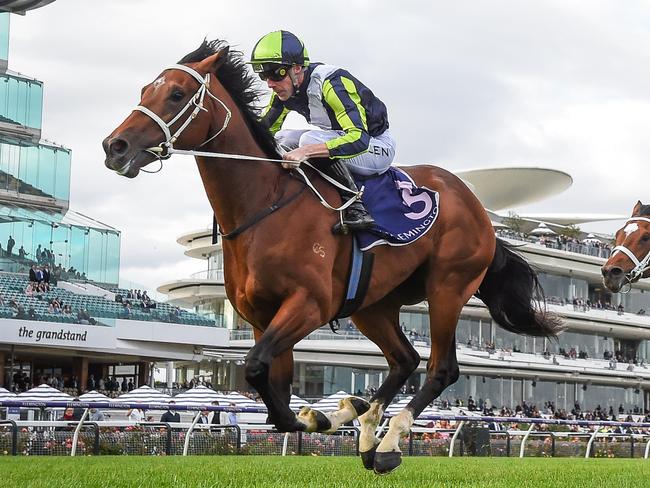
[{"x": 257, "y": 471}]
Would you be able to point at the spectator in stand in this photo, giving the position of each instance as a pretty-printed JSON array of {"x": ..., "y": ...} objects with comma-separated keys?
[
  {"x": 96, "y": 415},
  {"x": 10, "y": 245},
  {"x": 215, "y": 417},
  {"x": 135, "y": 415},
  {"x": 46, "y": 276},
  {"x": 83, "y": 317},
  {"x": 171, "y": 415},
  {"x": 232, "y": 415},
  {"x": 204, "y": 418},
  {"x": 130, "y": 385},
  {"x": 32, "y": 274},
  {"x": 620, "y": 309}
]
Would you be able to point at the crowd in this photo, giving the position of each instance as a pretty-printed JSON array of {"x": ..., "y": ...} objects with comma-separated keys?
[
  {"x": 549, "y": 410},
  {"x": 592, "y": 247}
]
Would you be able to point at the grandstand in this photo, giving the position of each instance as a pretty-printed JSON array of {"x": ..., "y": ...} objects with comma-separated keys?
[{"x": 600, "y": 360}]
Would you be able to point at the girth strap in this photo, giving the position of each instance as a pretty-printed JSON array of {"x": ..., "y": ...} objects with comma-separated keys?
[
  {"x": 261, "y": 215},
  {"x": 360, "y": 271}
]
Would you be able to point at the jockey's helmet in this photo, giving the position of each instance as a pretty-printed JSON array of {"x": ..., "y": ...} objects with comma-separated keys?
[{"x": 278, "y": 48}]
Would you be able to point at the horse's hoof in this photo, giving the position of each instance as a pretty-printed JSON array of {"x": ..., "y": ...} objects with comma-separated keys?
[
  {"x": 387, "y": 462},
  {"x": 368, "y": 458},
  {"x": 313, "y": 420},
  {"x": 360, "y": 405},
  {"x": 323, "y": 424}
]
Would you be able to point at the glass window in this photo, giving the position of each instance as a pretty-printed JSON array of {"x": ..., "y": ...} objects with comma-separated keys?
[
  {"x": 42, "y": 170},
  {"x": 21, "y": 101},
  {"x": 4, "y": 36},
  {"x": 563, "y": 287}
]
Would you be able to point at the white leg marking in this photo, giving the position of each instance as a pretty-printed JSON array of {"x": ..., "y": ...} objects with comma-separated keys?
[
  {"x": 400, "y": 425},
  {"x": 307, "y": 417},
  {"x": 343, "y": 415},
  {"x": 369, "y": 422}
]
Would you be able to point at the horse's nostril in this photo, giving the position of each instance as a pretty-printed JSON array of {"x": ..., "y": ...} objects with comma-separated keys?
[
  {"x": 615, "y": 271},
  {"x": 118, "y": 147}
]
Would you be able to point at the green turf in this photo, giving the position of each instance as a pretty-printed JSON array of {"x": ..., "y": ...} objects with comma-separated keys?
[{"x": 253, "y": 471}]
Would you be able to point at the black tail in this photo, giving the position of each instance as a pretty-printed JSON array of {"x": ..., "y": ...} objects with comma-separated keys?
[{"x": 514, "y": 296}]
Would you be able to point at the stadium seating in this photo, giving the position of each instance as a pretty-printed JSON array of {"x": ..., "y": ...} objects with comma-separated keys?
[{"x": 12, "y": 287}]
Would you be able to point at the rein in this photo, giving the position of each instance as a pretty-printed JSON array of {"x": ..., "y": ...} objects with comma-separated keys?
[
  {"x": 640, "y": 266},
  {"x": 166, "y": 148}
]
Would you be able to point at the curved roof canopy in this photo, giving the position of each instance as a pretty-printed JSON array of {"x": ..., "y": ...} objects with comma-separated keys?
[
  {"x": 22, "y": 6},
  {"x": 503, "y": 188}
]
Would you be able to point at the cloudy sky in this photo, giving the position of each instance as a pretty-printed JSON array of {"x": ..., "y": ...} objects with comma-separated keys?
[{"x": 560, "y": 84}]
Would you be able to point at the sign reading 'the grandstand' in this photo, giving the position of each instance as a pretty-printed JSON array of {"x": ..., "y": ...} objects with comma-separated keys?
[{"x": 56, "y": 334}]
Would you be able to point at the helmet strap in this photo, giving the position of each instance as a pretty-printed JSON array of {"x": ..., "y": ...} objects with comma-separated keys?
[{"x": 294, "y": 79}]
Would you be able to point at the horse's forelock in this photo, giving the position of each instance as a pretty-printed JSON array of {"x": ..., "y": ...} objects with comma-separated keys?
[{"x": 242, "y": 85}]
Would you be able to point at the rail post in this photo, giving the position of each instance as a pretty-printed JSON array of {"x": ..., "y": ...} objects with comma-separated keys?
[
  {"x": 285, "y": 443},
  {"x": 647, "y": 449},
  {"x": 410, "y": 443},
  {"x": 299, "y": 443},
  {"x": 75, "y": 437},
  {"x": 522, "y": 448},
  {"x": 454, "y": 437},
  {"x": 186, "y": 444},
  {"x": 591, "y": 441}
]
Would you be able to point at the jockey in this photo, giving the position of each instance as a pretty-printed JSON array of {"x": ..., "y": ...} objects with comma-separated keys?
[{"x": 353, "y": 122}]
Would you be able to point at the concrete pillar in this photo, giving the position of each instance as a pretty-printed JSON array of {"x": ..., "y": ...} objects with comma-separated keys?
[
  {"x": 80, "y": 370},
  {"x": 143, "y": 373},
  {"x": 170, "y": 373}
]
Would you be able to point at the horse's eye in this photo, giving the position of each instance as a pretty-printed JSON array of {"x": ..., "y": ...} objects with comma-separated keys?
[
  {"x": 645, "y": 238},
  {"x": 176, "y": 96}
]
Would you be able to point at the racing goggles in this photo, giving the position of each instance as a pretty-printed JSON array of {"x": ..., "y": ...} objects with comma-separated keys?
[{"x": 278, "y": 73}]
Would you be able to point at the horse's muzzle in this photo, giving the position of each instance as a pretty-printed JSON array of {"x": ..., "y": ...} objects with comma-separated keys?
[{"x": 614, "y": 277}]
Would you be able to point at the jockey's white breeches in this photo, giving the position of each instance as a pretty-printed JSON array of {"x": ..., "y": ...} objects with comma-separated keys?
[{"x": 378, "y": 158}]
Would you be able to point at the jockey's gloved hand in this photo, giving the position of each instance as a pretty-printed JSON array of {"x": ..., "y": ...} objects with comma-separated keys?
[{"x": 291, "y": 164}]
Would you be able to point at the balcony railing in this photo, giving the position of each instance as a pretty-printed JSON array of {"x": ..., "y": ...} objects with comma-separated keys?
[
  {"x": 596, "y": 250},
  {"x": 209, "y": 274}
]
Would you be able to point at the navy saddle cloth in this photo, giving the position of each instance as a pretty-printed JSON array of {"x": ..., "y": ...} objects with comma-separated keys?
[{"x": 403, "y": 212}]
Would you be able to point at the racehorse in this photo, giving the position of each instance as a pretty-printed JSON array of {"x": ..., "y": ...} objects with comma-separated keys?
[
  {"x": 630, "y": 258},
  {"x": 285, "y": 271}
]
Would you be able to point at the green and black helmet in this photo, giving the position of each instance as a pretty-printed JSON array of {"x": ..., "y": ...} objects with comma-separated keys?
[{"x": 278, "y": 48}]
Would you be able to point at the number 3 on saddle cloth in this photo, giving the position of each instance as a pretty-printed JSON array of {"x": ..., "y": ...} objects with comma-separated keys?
[{"x": 403, "y": 213}]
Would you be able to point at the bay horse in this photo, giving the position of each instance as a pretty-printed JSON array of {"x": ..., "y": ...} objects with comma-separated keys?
[
  {"x": 286, "y": 272},
  {"x": 630, "y": 258}
]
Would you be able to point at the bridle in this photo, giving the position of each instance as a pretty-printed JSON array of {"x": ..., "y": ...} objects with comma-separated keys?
[
  {"x": 166, "y": 148},
  {"x": 640, "y": 266}
]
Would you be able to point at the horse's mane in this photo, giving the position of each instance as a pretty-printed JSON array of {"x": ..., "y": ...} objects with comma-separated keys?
[{"x": 240, "y": 83}]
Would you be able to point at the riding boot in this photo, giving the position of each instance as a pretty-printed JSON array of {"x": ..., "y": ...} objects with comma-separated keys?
[{"x": 355, "y": 217}]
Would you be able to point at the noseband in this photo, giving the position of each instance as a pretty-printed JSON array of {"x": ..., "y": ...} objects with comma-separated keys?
[
  {"x": 164, "y": 149},
  {"x": 640, "y": 266}
]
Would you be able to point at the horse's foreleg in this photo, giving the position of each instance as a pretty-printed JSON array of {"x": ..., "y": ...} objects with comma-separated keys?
[{"x": 294, "y": 320}]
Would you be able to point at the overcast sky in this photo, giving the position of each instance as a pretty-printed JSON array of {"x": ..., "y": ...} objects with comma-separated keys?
[{"x": 560, "y": 84}]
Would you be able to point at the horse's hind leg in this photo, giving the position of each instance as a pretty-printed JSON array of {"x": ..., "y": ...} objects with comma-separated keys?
[
  {"x": 445, "y": 304},
  {"x": 380, "y": 324}
]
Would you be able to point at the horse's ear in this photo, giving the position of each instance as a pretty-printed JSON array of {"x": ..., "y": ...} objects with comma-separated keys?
[
  {"x": 637, "y": 208},
  {"x": 212, "y": 63}
]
